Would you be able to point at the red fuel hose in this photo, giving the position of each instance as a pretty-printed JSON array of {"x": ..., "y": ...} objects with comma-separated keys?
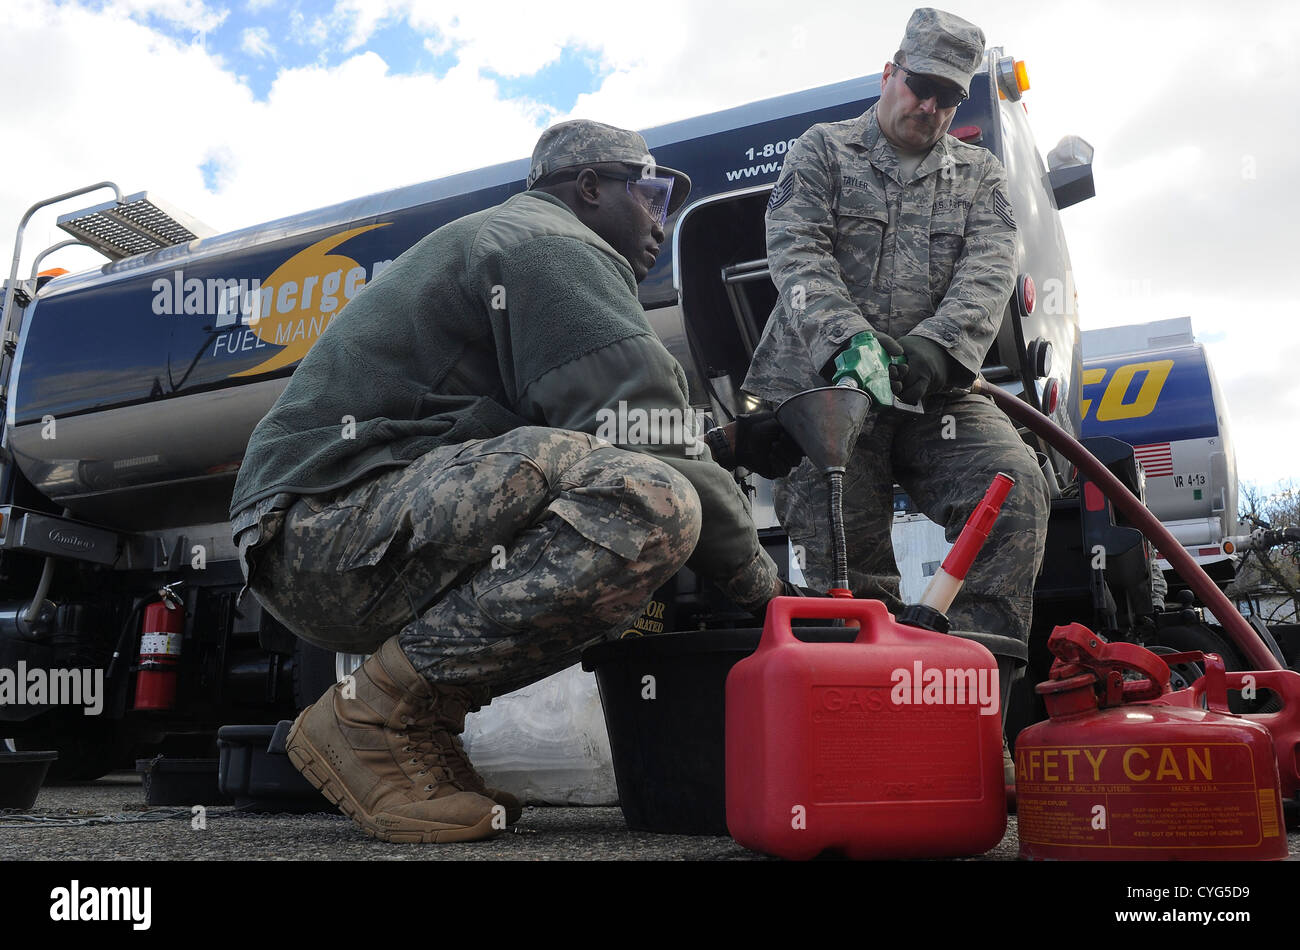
[{"x": 1238, "y": 630}]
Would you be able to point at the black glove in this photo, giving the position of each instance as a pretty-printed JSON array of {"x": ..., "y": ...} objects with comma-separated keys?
[
  {"x": 887, "y": 343},
  {"x": 763, "y": 445},
  {"x": 928, "y": 365}
]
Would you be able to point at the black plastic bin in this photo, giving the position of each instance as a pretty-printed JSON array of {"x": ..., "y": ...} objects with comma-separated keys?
[
  {"x": 255, "y": 770},
  {"x": 180, "y": 781},
  {"x": 21, "y": 777},
  {"x": 669, "y": 751}
]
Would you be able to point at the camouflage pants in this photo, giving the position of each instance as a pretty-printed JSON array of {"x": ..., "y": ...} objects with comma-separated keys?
[
  {"x": 945, "y": 461},
  {"x": 495, "y": 562}
]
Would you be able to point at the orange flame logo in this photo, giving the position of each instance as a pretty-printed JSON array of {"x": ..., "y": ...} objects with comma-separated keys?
[{"x": 305, "y": 293}]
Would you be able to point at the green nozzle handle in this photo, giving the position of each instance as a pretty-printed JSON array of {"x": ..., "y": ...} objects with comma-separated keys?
[{"x": 865, "y": 364}]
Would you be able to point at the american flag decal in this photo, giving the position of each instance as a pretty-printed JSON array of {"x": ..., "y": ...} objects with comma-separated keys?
[
  {"x": 1156, "y": 458},
  {"x": 781, "y": 193},
  {"x": 1002, "y": 208}
]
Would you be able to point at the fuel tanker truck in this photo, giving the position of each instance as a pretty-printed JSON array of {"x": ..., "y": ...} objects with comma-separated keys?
[
  {"x": 1151, "y": 385},
  {"x": 130, "y": 391}
]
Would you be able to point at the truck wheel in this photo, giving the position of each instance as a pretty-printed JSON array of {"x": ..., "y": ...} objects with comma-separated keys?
[
  {"x": 1181, "y": 675},
  {"x": 1181, "y": 639},
  {"x": 87, "y": 750},
  {"x": 316, "y": 670}
]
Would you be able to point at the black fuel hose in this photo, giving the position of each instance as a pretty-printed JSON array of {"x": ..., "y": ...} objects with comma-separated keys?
[
  {"x": 839, "y": 545},
  {"x": 1236, "y": 626}
]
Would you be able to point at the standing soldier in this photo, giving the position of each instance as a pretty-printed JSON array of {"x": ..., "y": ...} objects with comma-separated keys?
[
  {"x": 430, "y": 486},
  {"x": 885, "y": 224}
]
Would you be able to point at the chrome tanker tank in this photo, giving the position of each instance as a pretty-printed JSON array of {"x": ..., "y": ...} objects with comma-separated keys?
[{"x": 137, "y": 385}]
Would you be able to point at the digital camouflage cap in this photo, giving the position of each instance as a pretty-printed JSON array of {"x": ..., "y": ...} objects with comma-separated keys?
[
  {"x": 581, "y": 142},
  {"x": 941, "y": 44}
]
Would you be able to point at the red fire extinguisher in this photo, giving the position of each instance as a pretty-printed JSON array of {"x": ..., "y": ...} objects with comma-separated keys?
[
  {"x": 160, "y": 652},
  {"x": 1125, "y": 770}
]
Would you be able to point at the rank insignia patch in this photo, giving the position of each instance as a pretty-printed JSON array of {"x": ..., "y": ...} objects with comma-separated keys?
[
  {"x": 781, "y": 193},
  {"x": 1002, "y": 208}
]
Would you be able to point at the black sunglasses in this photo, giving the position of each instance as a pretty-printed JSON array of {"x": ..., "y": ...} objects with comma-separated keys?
[{"x": 945, "y": 94}]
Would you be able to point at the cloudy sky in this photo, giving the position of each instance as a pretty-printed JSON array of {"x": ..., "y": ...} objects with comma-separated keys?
[{"x": 240, "y": 111}]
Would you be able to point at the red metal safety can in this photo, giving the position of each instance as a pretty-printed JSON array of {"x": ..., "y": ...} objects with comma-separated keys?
[
  {"x": 160, "y": 654},
  {"x": 1124, "y": 770},
  {"x": 1283, "y": 725},
  {"x": 886, "y": 747}
]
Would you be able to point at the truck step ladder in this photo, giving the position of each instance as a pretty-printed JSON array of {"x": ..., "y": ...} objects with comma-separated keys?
[{"x": 135, "y": 225}]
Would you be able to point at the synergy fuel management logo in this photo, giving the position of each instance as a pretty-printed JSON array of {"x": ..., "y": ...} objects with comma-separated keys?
[{"x": 290, "y": 309}]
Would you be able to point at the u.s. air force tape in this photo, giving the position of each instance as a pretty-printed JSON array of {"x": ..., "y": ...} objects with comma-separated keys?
[
  {"x": 781, "y": 193},
  {"x": 1002, "y": 208}
]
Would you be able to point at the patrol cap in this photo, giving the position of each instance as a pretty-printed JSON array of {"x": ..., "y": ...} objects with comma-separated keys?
[
  {"x": 582, "y": 142},
  {"x": 941, "y": 44}
]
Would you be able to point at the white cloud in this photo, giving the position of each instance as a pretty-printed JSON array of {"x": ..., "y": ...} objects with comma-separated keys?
[
  {"x": 256, "y": 41},
  {"x": 224, "y": 163},
  {"x": 308, "y": 32},
  {"x": 361, "y": 17},
  {"x": 51, "y": 62},
  {"x": 194, "y": 14},
  {"x": 323, "y": 134},
  {"x": 518, "y": 37}
]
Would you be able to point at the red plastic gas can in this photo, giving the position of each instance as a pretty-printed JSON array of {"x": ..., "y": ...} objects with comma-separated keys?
[
  {"x": 886, "y": 747},
  {"x": 1125, "y": 770}
]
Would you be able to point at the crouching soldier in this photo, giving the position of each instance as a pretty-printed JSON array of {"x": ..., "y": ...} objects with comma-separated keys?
[{"x": 430, "y": 487}]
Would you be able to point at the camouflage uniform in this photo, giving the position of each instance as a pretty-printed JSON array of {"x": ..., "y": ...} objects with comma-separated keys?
[
  {"x": 495, "y": 562},
  {"x": 855, "y": 244},
  {"x": 471, "y": 510}
]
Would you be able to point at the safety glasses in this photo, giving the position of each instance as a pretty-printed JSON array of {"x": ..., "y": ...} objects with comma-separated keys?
[
  {"x": 945, "y": 94},
  {"x": 650, "y": 193}
]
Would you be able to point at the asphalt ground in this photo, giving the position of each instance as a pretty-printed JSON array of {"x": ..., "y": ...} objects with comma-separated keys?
[
  {"x": 109, "y": 820},
  {"x": 127, "y": 829},
  {"x": 104, "y": 831}
]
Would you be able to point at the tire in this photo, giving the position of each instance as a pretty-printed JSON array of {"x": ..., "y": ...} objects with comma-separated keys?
[
  {"x": 1181, "y": 675},
  {"x": 1183, "y": 638}
]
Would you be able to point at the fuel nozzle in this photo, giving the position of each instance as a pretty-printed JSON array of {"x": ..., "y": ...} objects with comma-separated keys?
[
  {"x": 864, "y": 364},
  {"x": 931, "y": 613}
]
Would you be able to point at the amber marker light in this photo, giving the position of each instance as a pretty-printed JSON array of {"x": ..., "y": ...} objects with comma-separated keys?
[{"x": 1022, "y": 76}]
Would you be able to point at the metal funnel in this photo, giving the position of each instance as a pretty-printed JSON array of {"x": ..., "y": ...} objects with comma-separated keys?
[{"x": 826, "y": 422}]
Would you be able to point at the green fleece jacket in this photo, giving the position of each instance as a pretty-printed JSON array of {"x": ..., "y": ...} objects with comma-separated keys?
[{"x": 515, "y": 315}]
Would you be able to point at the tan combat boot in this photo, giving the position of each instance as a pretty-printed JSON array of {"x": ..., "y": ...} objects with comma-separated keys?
[
  {"x": 390, "y": 757},
  {"x": 463, "y": 772}
]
